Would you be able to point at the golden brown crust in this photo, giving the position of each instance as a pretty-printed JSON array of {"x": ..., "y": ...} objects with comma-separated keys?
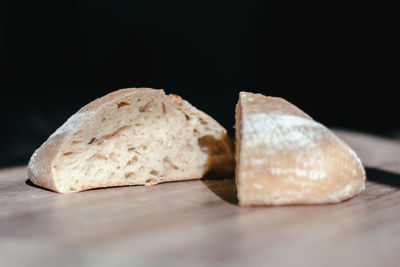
[
  {"x": 175, "y": 96},
  {"x": 284, "y": 157}
]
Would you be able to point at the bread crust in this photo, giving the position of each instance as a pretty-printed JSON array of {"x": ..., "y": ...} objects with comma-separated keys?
[
  {"x": 284, "y": 157},
  {"x": 41, "y": 167}
]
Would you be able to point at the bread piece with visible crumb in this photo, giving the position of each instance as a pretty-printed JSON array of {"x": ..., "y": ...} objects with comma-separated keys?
[
  {"x": 285, "y": 157},
  {"x": 136, "y": 136}
]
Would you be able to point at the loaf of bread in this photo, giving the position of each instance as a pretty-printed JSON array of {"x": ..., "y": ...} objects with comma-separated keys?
[
  {"x": 285, "y": 157},
  {"x": 136, "y": 136}
]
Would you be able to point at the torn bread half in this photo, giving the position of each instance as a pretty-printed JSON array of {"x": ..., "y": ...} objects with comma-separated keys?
[
  {"x": 285, "y": 157},
  {"x": 135, "y": 136}
]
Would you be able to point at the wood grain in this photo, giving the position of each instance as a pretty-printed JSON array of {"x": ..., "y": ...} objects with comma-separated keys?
[{"x": 197, "y": 223}]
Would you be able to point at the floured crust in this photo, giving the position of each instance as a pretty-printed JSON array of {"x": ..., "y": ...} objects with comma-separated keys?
[
  {"x": 285, "y": 157},
  {"x": 72, "y": 158}
]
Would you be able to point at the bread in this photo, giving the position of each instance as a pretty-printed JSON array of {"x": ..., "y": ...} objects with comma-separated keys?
[
  {"x": 285, "y": 157},
  {"x": 136, "y": 136}
]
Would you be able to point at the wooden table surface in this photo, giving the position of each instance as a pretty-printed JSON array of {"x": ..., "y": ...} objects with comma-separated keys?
[{"x": 198, "y": 223}]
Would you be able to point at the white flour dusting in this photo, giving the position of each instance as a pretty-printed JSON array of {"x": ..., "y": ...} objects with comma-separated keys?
[
  {"x": 72, "y": 122},
  {"x": 287, "y": 157},
  {"x": 299, "y": 172},
  {"x": 281, "y": 131},
  {"x": 67, "y": 127}
]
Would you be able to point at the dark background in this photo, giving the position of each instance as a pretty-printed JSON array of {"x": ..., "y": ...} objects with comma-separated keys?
[{"x": 340, "y": 65}]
